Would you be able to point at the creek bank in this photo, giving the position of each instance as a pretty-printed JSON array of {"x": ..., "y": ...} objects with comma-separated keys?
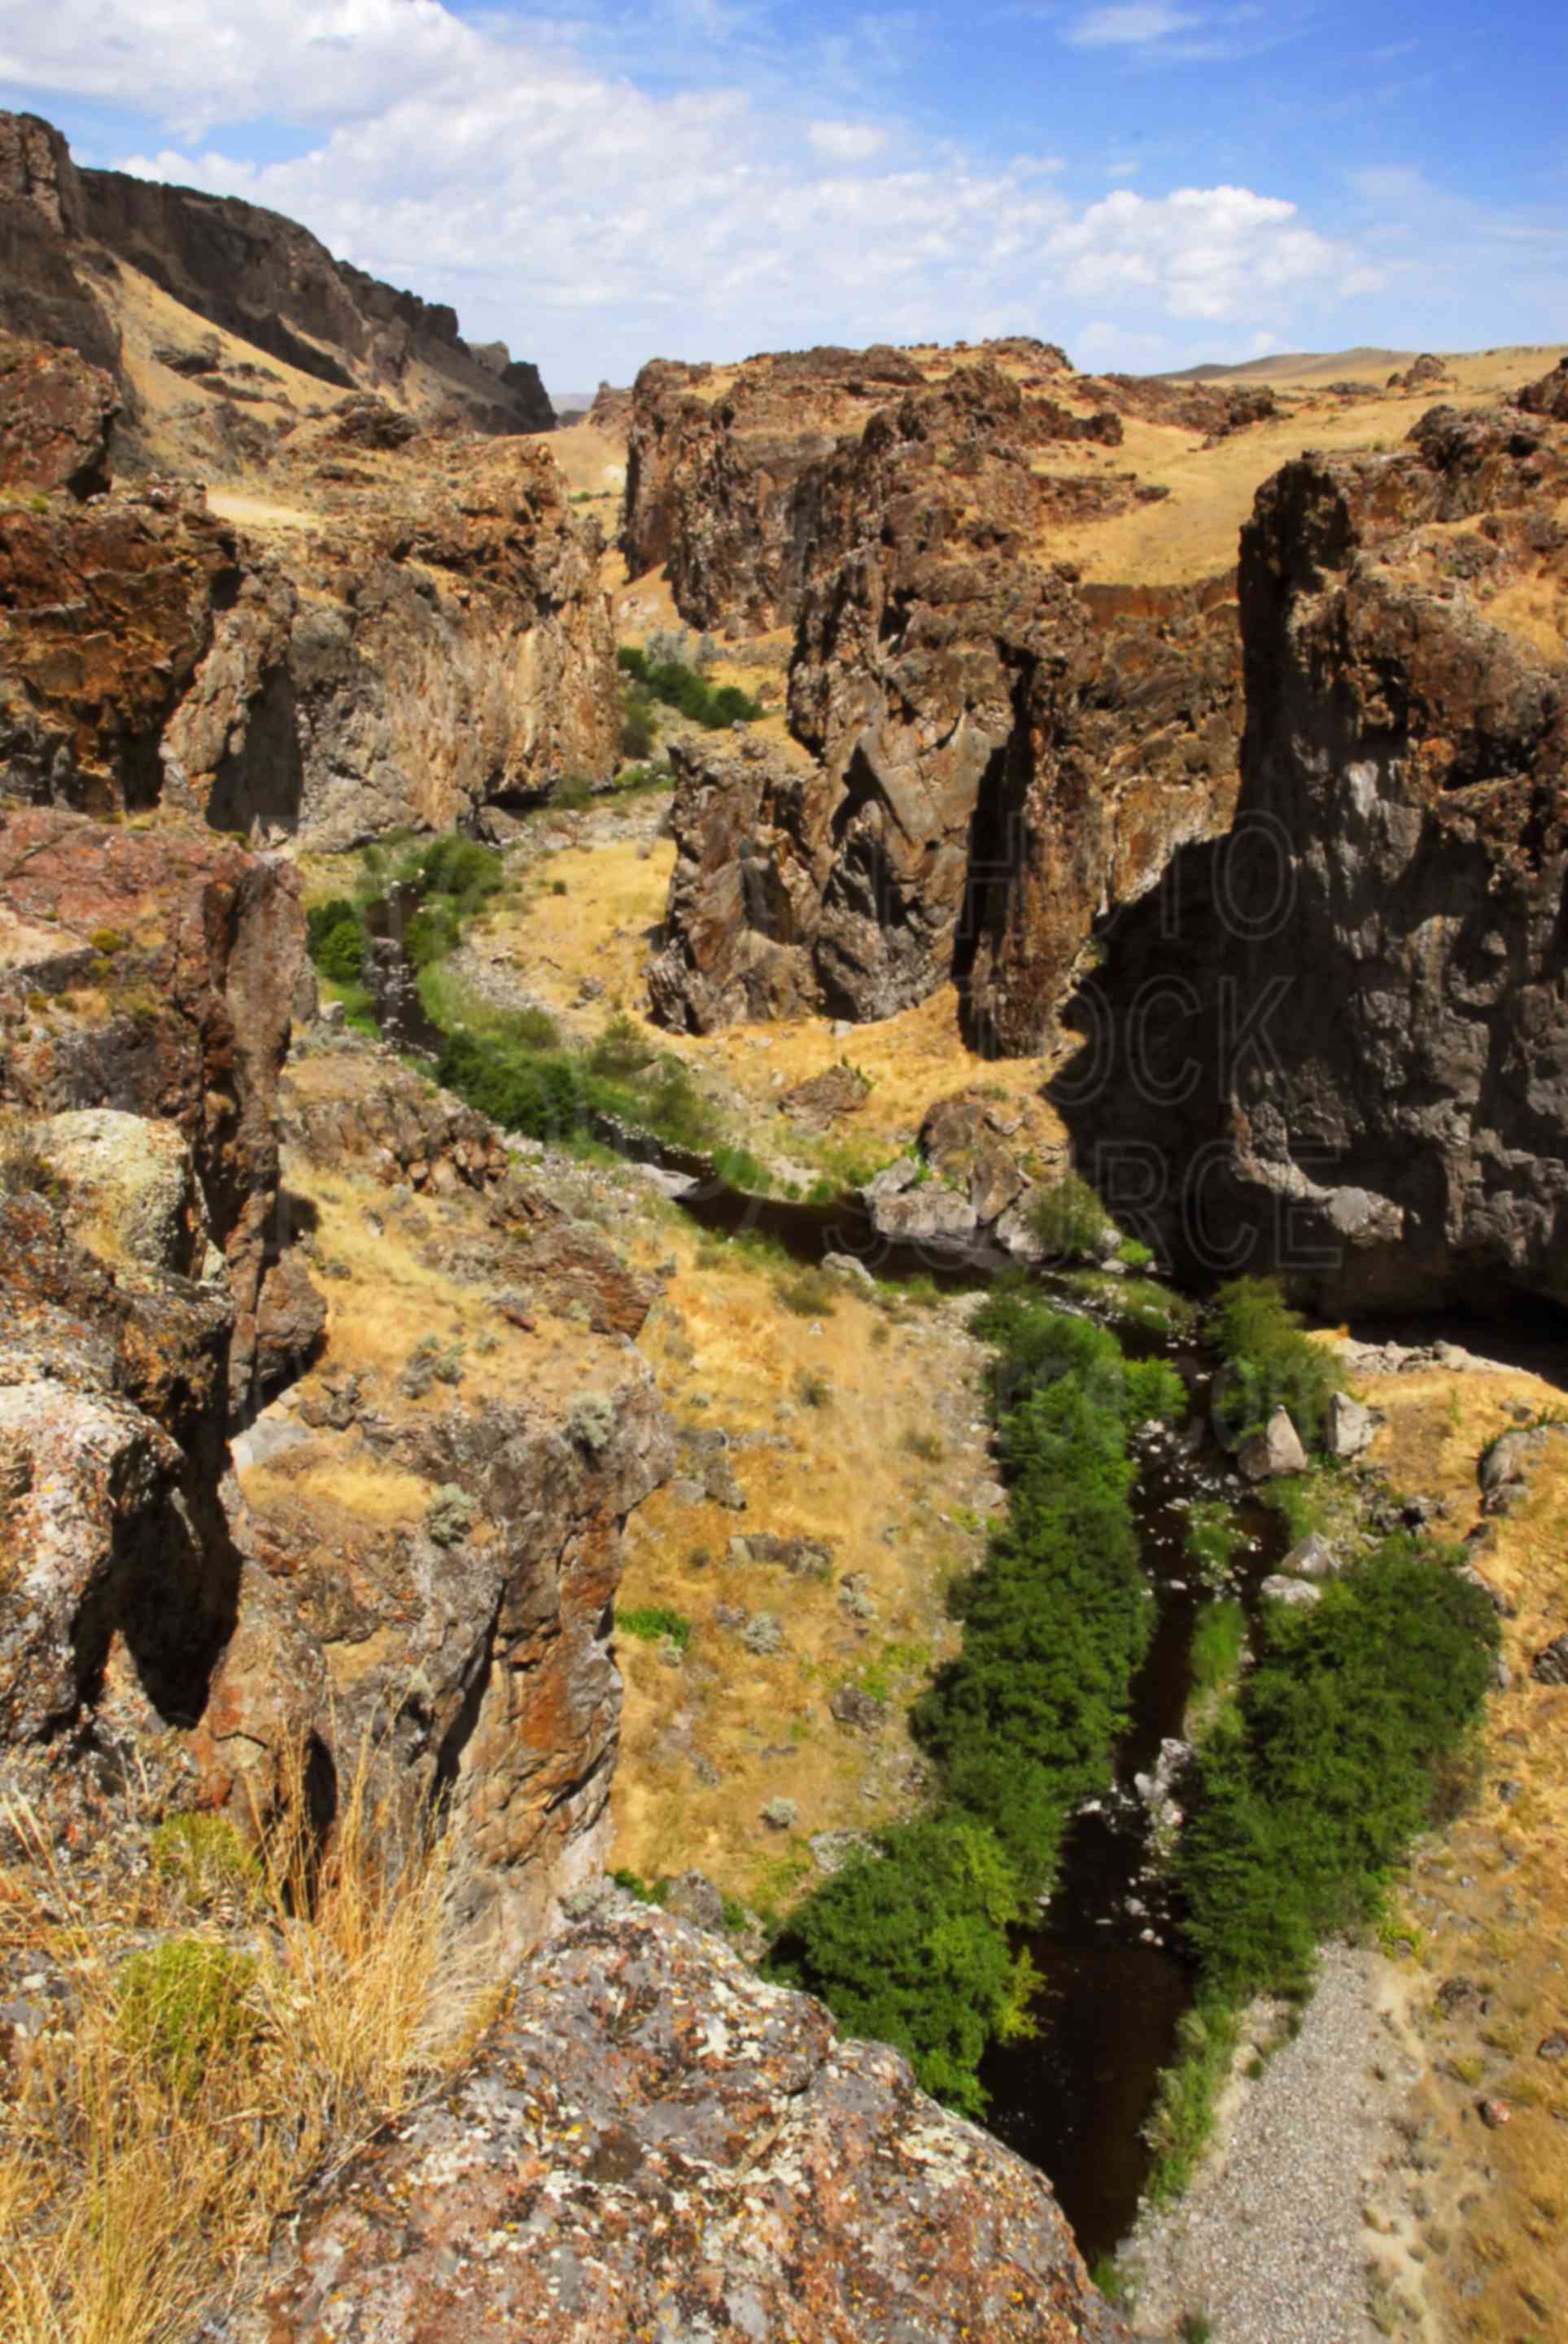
[{"x": 1288, "y": 2174}]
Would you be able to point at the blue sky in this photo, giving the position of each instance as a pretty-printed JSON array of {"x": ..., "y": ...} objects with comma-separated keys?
[{"x": 1147, "y": 182}]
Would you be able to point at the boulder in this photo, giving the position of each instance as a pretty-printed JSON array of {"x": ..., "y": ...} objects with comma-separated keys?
[
  {"x": 1300, "y": 1593},
  {"x": 1312, "y": 1558},
  {"x": 1351, "y": 1426},
  {"x": 1550, "y": 1666},
  {"x": 653, "y": 2142},
  {"x": 693, "y": 1897},
  {"x": 130, "y": 1191},
  {"x": 927, "y": 1215},
  {"x": 1274, "y": 1453}
]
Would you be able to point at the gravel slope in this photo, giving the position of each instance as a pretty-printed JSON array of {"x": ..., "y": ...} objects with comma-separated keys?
[{"x": 1270, "y": 2242}]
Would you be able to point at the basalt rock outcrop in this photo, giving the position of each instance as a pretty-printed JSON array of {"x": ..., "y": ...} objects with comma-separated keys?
[
  {"x": 56, "y": 414},
  {"x": 447, "y": 651},
  {"x": 442, "y": 646},
  {"x": 653, "y": 2142},
  {"x": 153, "y": 973},
  {"x": 416, "y": 1542},
  {"x": 1336, "y": 1043},
  {"x": 988, "y": 754},
  {"x": 71, "y": 239},
  {"x": 742, "y": 483}
]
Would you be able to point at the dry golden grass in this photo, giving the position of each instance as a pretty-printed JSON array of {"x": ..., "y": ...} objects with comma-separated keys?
[
  {"x": 849, "y": 1476},
  {"x": 1500, "y": 1881},
  {"x": 615, "y": 894},
  {"x": 132, "y": 2195}
]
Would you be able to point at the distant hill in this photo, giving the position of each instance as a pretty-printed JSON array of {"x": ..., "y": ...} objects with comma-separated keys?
[{"x": 1282, "y": 365}]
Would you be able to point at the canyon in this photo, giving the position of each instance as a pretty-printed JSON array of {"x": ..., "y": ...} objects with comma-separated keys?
[{"x": 1157, "y": 778}]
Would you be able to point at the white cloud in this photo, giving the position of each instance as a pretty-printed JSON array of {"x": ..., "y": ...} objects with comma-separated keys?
[
  {"x": 1133, "y": 24},
  {"x": 847, "y": 142},
  {"x": 1202, "y": 252},
  {"x": 593, "y": 222}
]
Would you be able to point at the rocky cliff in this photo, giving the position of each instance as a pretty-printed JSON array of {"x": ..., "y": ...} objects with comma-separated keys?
[
  {"x": 77, "y": 244},
  {"x": 653, "y": 2142},
  {"x": 435, "y": 644},
  {"x": 417, "y": 1541},
  {"x": 1336, "y": 1042},
  {"x": 988, "y": 754}
]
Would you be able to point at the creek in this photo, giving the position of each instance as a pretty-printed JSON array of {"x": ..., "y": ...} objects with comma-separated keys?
[{"x": 1074, "y": 2096}]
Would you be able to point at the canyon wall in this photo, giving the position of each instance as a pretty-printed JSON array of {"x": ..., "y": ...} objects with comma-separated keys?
[
  {"x": 986, "y": 753},
  {"x": 67, "y": 234},
  {"x": 1336, "y": 1041},
  {"x": 244, "y": 1509},
  {"x": 433, "y": 645}
]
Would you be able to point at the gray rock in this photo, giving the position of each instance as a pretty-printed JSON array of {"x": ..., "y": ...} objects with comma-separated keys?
[
  {"x": 930, "y": 1215},
  {"x": 1312, "y": 1558},
  {"x": 1298, "y": 1592},
  {"x": 1275, "y": 1451},
  {"x": 763, "y": 1634},
  {"x": 858, "y": 1711},
  {"x": 781, "y": 1814},
  {"x": 832, "y": 1850},
  {"x": 1351, "y": 1426},
  {"x": 694, "y": 1898},
  {"x": 845, "y": 1264},
  {"x": 1550, "y": 1666}
]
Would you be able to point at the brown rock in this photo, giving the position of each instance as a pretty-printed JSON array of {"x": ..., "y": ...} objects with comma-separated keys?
[
  {"x": 1387, "y": 908},
  {"x": 56, "y": 412},
  {"x": 652, "y": 2133},
  {"x": 185, "y": 950}
]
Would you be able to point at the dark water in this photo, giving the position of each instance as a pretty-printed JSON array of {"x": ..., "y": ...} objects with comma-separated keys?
[{"x": 1074, "y": 2098}]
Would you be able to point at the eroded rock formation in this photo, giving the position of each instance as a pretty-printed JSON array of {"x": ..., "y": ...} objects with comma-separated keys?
[
  {"x": 1337, "y": 1042},
  {"x": 989, "y": 754},
  {"x": 652, "y": 2140},
  {"x": 441, "y": 646},
  {"x": 416, "y": 1543}
]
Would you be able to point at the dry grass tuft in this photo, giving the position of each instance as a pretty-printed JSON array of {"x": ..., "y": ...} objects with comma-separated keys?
[{"x": 135, "y": 2192}]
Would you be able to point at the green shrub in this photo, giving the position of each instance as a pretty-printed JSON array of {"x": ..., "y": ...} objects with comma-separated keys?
[
  {"x": 1219, "y": 1640},
  {"x": 1213, "y": 1539},
  {"x": 1269, "y": 1363},
  {"x": 653, "y": 1623},
  {"x": 462, "y": 870},
  {"x": 340, "y": 956},
  {"x": 1069, "y": 1221},
  {"x": 646, "y": 1892},
  {"x": 183, "y": 2005},
  {"x": 623, "y": 1048},
  {"x": 205, "y": 1857},
  {"x": 911, "y": 1948},
  {"x": 637, "y": 734},
  {"x": 683, "y": 687},
  {"x": 1136, "y": 1254},
  {"x": 1309, "y": 1796}
]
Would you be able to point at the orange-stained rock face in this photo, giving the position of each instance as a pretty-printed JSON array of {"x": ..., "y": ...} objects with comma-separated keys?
[
  {"x": 105, "y": 611},
  {"x": 156, "y": 972},
  {"x": 56, "y": 412},
  {"x": 653, "y": 2140}
]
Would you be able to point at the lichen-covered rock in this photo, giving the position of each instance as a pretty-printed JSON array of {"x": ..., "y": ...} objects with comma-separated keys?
[
  {"x": 652, "y": 2142},
  {"x": 131, "y": 1194},
  {"x": 151, "y": 972},
  {"x": 56, "y": 413}
]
